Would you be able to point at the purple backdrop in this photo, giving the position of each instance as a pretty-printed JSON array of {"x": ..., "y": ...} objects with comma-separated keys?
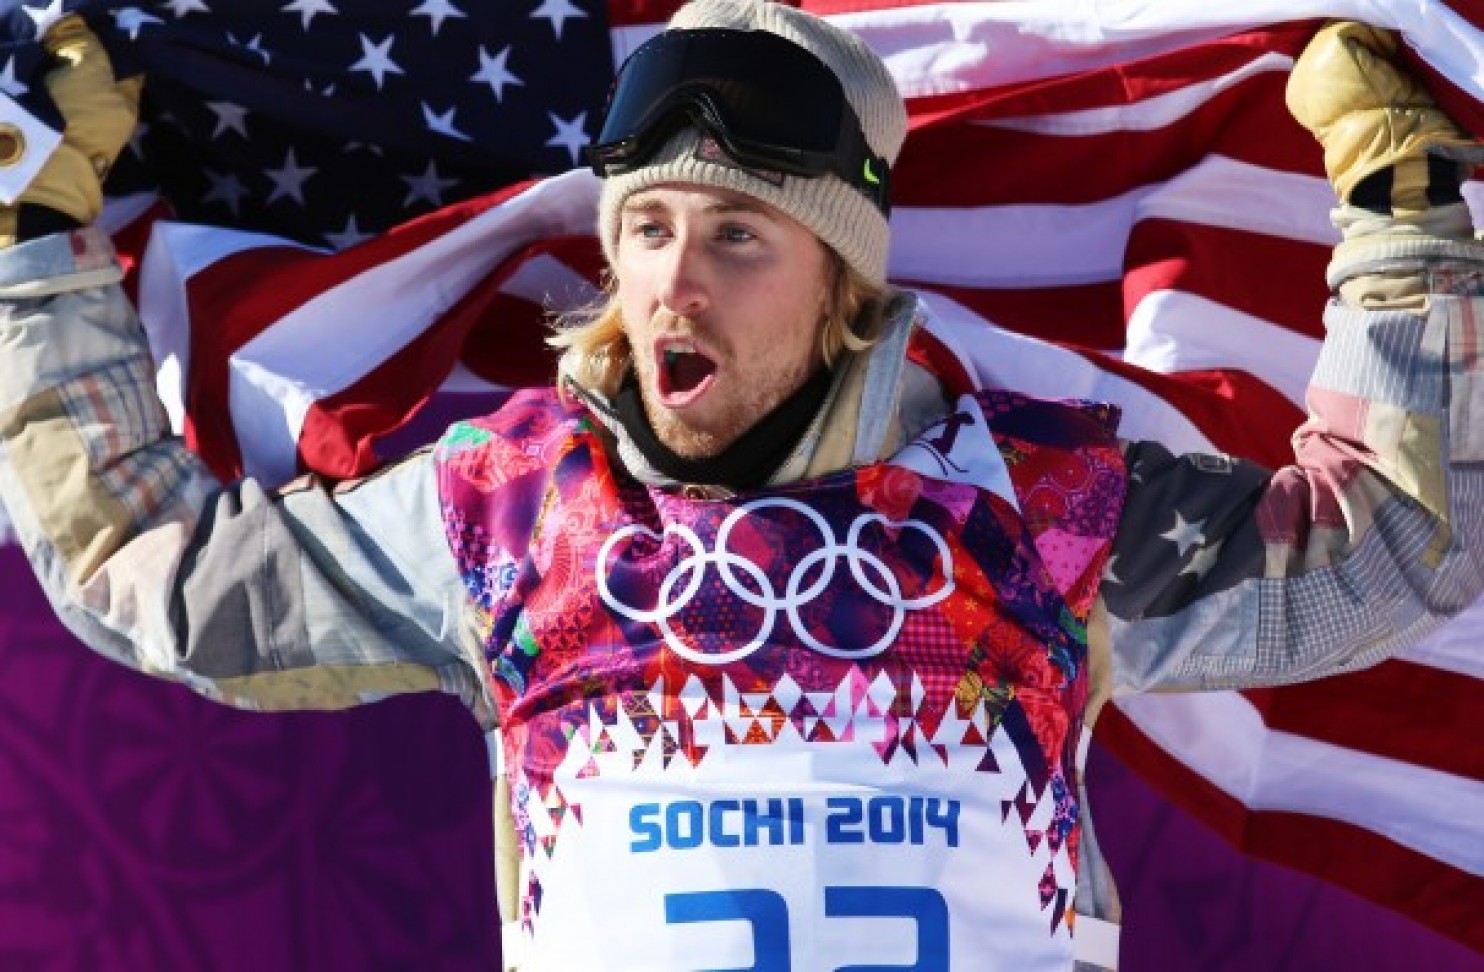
[{"x": 144, "y": 828}]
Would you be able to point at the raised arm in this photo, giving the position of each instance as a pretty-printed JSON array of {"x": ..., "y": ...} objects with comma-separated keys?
[
  {"x": 306, "y": 597},
  {"x": 1228, "y": 575}
]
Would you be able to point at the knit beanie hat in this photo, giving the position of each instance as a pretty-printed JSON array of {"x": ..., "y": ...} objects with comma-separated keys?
[{"x": 839, "y": 214}]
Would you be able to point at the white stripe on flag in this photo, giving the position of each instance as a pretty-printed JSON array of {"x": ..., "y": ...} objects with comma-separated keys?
[
  {"x": 1014, "y": 246},
  {"x": 1455, "y": 647},
  {"x": 1268, "y": 770},
  {"x": 549, "y": 282},
  {"x": 1226, "y": 192},
  {"x": 177, "y": 252},
  {"x": 1147, "y": 115},
  {"x": 1172, "y": 331},
  {"x": 948, "y": 47},
  {"x": 119, "y": 211},
  {"x": 462, "y": 381},
  {"x": 376, "y": 314}
]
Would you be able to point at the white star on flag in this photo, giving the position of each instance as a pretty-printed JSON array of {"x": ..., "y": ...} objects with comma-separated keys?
[
  {"x": 1205, "y": 558},
  {"x": 308, "y": 9},
  {"x": 289, "y": 180},
  {"x": 442, "y": 124},
  {"x": 492, "y": 71},
  {"x": 227, "y": 189},
  {"x": 348, "y": 237},
  {"x": 255, "y": 46},
  {"x": 427, "y": 186},
  {"x": 376, "y": 59},
  {"x": 46, "y": 16},
  {"x": 558, "y": 12},
  {"x": 569, "y": 135},
  {"x": 179, "y": 8},
  {"x": 8, "y": 84},
  {"x": 436, "y": 11},
  {"x": 130, "y": 20},
  {"x": 229, "y": 118}
]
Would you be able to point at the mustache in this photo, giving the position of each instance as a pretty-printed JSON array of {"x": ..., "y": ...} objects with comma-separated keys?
[
  {"x": 665, "y": 321},
  {"x": 667, "y": 324}
]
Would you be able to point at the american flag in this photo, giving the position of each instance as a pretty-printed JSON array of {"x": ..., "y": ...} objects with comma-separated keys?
[
  {"x": 328, "y": 122},
  {"x": 1105, "y": 201}
]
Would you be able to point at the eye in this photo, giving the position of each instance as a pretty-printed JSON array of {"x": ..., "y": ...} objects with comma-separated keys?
[
  {"x": 647, "y": 231},
  {"x": 736, "y": 234}
]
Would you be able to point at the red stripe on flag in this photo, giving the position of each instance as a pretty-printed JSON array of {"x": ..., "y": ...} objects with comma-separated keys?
[
  {"x": 224, "y": 316},
  {"x": 1241, "y": 414},
  {"x": 508, "y": 347},
  {"x": 1089, "y": 316},
  {"x": 1376, "y": 711},
  {"x": 1231, "y": 267},
  {"x": 1431, "y": 892},
  {"x": 984, "y": 165},
  {"x": 1461, "y": 106},
  {"x": 338, "y": 436},
  {"x": 130, "y": 242},
  {"x": 929, "y": 352},
  {"x": 500, "y": 337},
  {"x": 638, "y": 13},
  {"x": 511, "y": 348}
]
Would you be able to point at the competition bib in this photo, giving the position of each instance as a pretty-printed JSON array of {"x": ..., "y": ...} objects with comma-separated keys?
[{"x": 785, "y": 854}]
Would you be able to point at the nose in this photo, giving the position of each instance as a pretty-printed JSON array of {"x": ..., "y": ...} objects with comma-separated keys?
[{"x": 681, "y": 286}]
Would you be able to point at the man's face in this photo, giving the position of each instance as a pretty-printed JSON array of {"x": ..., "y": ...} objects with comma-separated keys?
[{"x": 723, "y": 301}]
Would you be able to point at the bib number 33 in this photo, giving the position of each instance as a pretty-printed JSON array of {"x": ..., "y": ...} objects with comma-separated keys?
[{"x": 767, "y": 912}]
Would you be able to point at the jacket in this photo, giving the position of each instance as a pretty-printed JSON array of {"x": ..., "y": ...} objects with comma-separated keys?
[{"x": 326, "y": 595}]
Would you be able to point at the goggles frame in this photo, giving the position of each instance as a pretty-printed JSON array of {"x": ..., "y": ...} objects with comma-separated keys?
[{"x": 767, "y": 102}]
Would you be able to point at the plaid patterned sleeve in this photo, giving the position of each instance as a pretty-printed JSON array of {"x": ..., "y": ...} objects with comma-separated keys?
[
  {"x": 305, "y": 597},
  {"x": 1227, "y": 575}
]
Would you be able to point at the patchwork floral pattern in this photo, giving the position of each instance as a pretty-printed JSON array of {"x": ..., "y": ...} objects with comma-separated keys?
[{"x": 929, "y": 620}]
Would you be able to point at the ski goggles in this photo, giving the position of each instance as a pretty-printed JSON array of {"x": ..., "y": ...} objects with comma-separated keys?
[{"x": 767, "y": 102}]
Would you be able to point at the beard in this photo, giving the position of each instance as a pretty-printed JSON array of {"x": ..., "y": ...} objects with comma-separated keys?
[
  {"x": 743, "y": 395},
  {"x": 695, "y": 442}
]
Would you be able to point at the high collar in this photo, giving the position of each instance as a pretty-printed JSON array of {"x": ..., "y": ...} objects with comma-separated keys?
[
  {"x": 745, "y": 464},
  {"x": 877, "y": 401}
]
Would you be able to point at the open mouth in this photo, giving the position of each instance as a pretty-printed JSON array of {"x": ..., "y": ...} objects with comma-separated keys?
[{"x": 684, "y": 373}]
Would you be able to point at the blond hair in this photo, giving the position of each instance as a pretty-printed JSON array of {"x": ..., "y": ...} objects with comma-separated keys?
[{"x": 595, "y": 351}]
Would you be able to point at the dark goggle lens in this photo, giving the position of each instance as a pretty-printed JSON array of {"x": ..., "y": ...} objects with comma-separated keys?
[{"x": 770, "y": 99}]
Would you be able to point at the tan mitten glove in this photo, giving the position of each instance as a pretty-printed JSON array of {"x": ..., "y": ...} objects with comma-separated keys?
[{"x": 100, "y": 114}]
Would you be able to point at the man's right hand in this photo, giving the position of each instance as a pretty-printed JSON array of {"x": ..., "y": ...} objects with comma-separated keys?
[{"x": 100, "y": 113}]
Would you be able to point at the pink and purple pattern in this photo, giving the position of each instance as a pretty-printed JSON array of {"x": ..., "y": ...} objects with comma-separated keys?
[{"x": 934, "y": 610}]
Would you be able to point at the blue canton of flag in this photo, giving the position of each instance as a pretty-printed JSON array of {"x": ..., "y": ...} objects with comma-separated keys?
[{"x": 329, "y": 121}]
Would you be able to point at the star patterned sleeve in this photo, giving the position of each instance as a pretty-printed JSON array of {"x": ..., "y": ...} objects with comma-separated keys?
[{"x": 1227, "y": 575}]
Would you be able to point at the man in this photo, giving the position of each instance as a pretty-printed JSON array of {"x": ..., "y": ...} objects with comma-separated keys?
[{"x": 791, "y": 636}]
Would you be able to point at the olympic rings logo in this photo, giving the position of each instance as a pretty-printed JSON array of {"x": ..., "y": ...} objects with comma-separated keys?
[{"x": 684, "y": 581}]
